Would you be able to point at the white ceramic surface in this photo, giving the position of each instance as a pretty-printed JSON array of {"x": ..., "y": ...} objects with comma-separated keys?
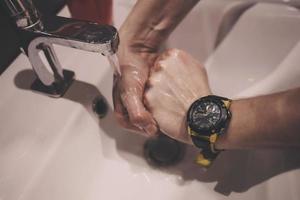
[
  {"x": 260, "y": 41},
  {"x": 58, "y": 149}
]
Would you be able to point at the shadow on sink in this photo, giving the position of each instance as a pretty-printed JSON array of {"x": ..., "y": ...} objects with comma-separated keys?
[
  {"x": 234, "y": 171},
  {"x": 238, "y": 171},
  {"x": 84, "y": 94}
]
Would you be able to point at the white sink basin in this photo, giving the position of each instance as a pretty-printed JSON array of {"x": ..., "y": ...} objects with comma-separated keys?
[
  {"x": 59, "y": 149},
  {"x": 256, "y": 47}
]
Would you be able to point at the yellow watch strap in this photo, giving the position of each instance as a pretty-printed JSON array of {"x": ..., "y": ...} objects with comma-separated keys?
[{"x": 200, "y": 160}]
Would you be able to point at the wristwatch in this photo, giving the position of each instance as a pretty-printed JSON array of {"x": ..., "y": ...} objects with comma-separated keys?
[{"x": 207, "y": 119}]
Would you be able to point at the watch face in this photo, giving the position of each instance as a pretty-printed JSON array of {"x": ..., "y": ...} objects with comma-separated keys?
[{"x": 205, "y": 115}]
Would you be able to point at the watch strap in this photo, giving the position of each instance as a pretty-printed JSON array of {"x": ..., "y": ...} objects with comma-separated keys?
[
  {"x": 207, "y": 154},
  {"x": 207, "y": 142}
]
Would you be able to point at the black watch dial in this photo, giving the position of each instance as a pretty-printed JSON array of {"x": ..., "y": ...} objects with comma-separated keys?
[{"x": 205, "y": 115}]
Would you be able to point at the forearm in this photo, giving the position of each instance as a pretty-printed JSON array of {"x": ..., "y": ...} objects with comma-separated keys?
[
  {"x": 264, "y": 122},
  {"x": 151, "y": 21}
]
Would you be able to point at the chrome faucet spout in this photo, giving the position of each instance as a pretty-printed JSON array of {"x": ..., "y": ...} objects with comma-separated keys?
[
  {"x": 76, "y": 34},
  {"x": 39, "y": 33}
]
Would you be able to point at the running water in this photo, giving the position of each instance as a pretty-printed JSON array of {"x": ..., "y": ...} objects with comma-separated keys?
[{"x": 114, "y": 63}]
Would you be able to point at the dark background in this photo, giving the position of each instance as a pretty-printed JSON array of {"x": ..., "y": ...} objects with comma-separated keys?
[{"x": 9, "y": 44}]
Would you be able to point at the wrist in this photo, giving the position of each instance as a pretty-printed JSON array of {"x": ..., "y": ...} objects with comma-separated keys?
[
  {"x": 149, "y": 34},
  {"x": 223, "y": 141},
  {"x": 146, "y": 41},
  {"x": 236, "y": 136}
]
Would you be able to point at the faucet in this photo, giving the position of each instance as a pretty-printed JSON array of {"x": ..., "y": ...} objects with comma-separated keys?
[{"x": 39, "y": 33}]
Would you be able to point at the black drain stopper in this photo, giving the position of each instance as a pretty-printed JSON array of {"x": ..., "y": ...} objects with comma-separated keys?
[
  {"x": 163, "y": 151},
  {"x": 100, "y": 106}
]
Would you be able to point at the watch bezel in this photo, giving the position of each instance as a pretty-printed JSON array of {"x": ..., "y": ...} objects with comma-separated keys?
[{"x": 219, "y": 125}]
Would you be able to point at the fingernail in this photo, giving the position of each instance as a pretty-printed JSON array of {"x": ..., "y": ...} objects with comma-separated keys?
[{"x": 150, "y": 129}]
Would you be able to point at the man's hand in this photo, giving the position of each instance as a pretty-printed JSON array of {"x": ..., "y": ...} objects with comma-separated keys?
[
  {"x": 176, "y": 81},
  {"x": 128, "y": 89},
  {"x": 144, "y": 31}
]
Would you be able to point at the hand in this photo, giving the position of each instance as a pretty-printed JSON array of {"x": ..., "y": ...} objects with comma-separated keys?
[
  {"x": 145, "y": 29},
  {"x": 176, "y": 81},
  {"x": 128, "y": 88}
]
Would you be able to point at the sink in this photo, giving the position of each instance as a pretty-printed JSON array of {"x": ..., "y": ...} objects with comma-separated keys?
[
  {"x": 257, "y": 46},
  {"x": 60, "y": 149}
]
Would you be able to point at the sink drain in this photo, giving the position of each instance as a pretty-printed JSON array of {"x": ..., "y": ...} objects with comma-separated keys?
[
  {"x": 100, "y": 106},
  {"x": 163, "y": 151}
]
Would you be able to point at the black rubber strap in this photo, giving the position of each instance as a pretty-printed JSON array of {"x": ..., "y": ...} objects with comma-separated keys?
[
  {"x": 206, "y": 148},
  {"x": 200, "y": 142}
]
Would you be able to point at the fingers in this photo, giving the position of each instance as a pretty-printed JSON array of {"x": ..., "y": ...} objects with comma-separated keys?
[
  {"x": 138, "y": 114},
  {"x": 130, "y": 111},
  {"x": 132, "y": 85},
  {"x": 119, "y": 110}
]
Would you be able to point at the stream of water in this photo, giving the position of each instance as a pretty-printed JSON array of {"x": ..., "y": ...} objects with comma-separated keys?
[{"x": 114, "y": 63}]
